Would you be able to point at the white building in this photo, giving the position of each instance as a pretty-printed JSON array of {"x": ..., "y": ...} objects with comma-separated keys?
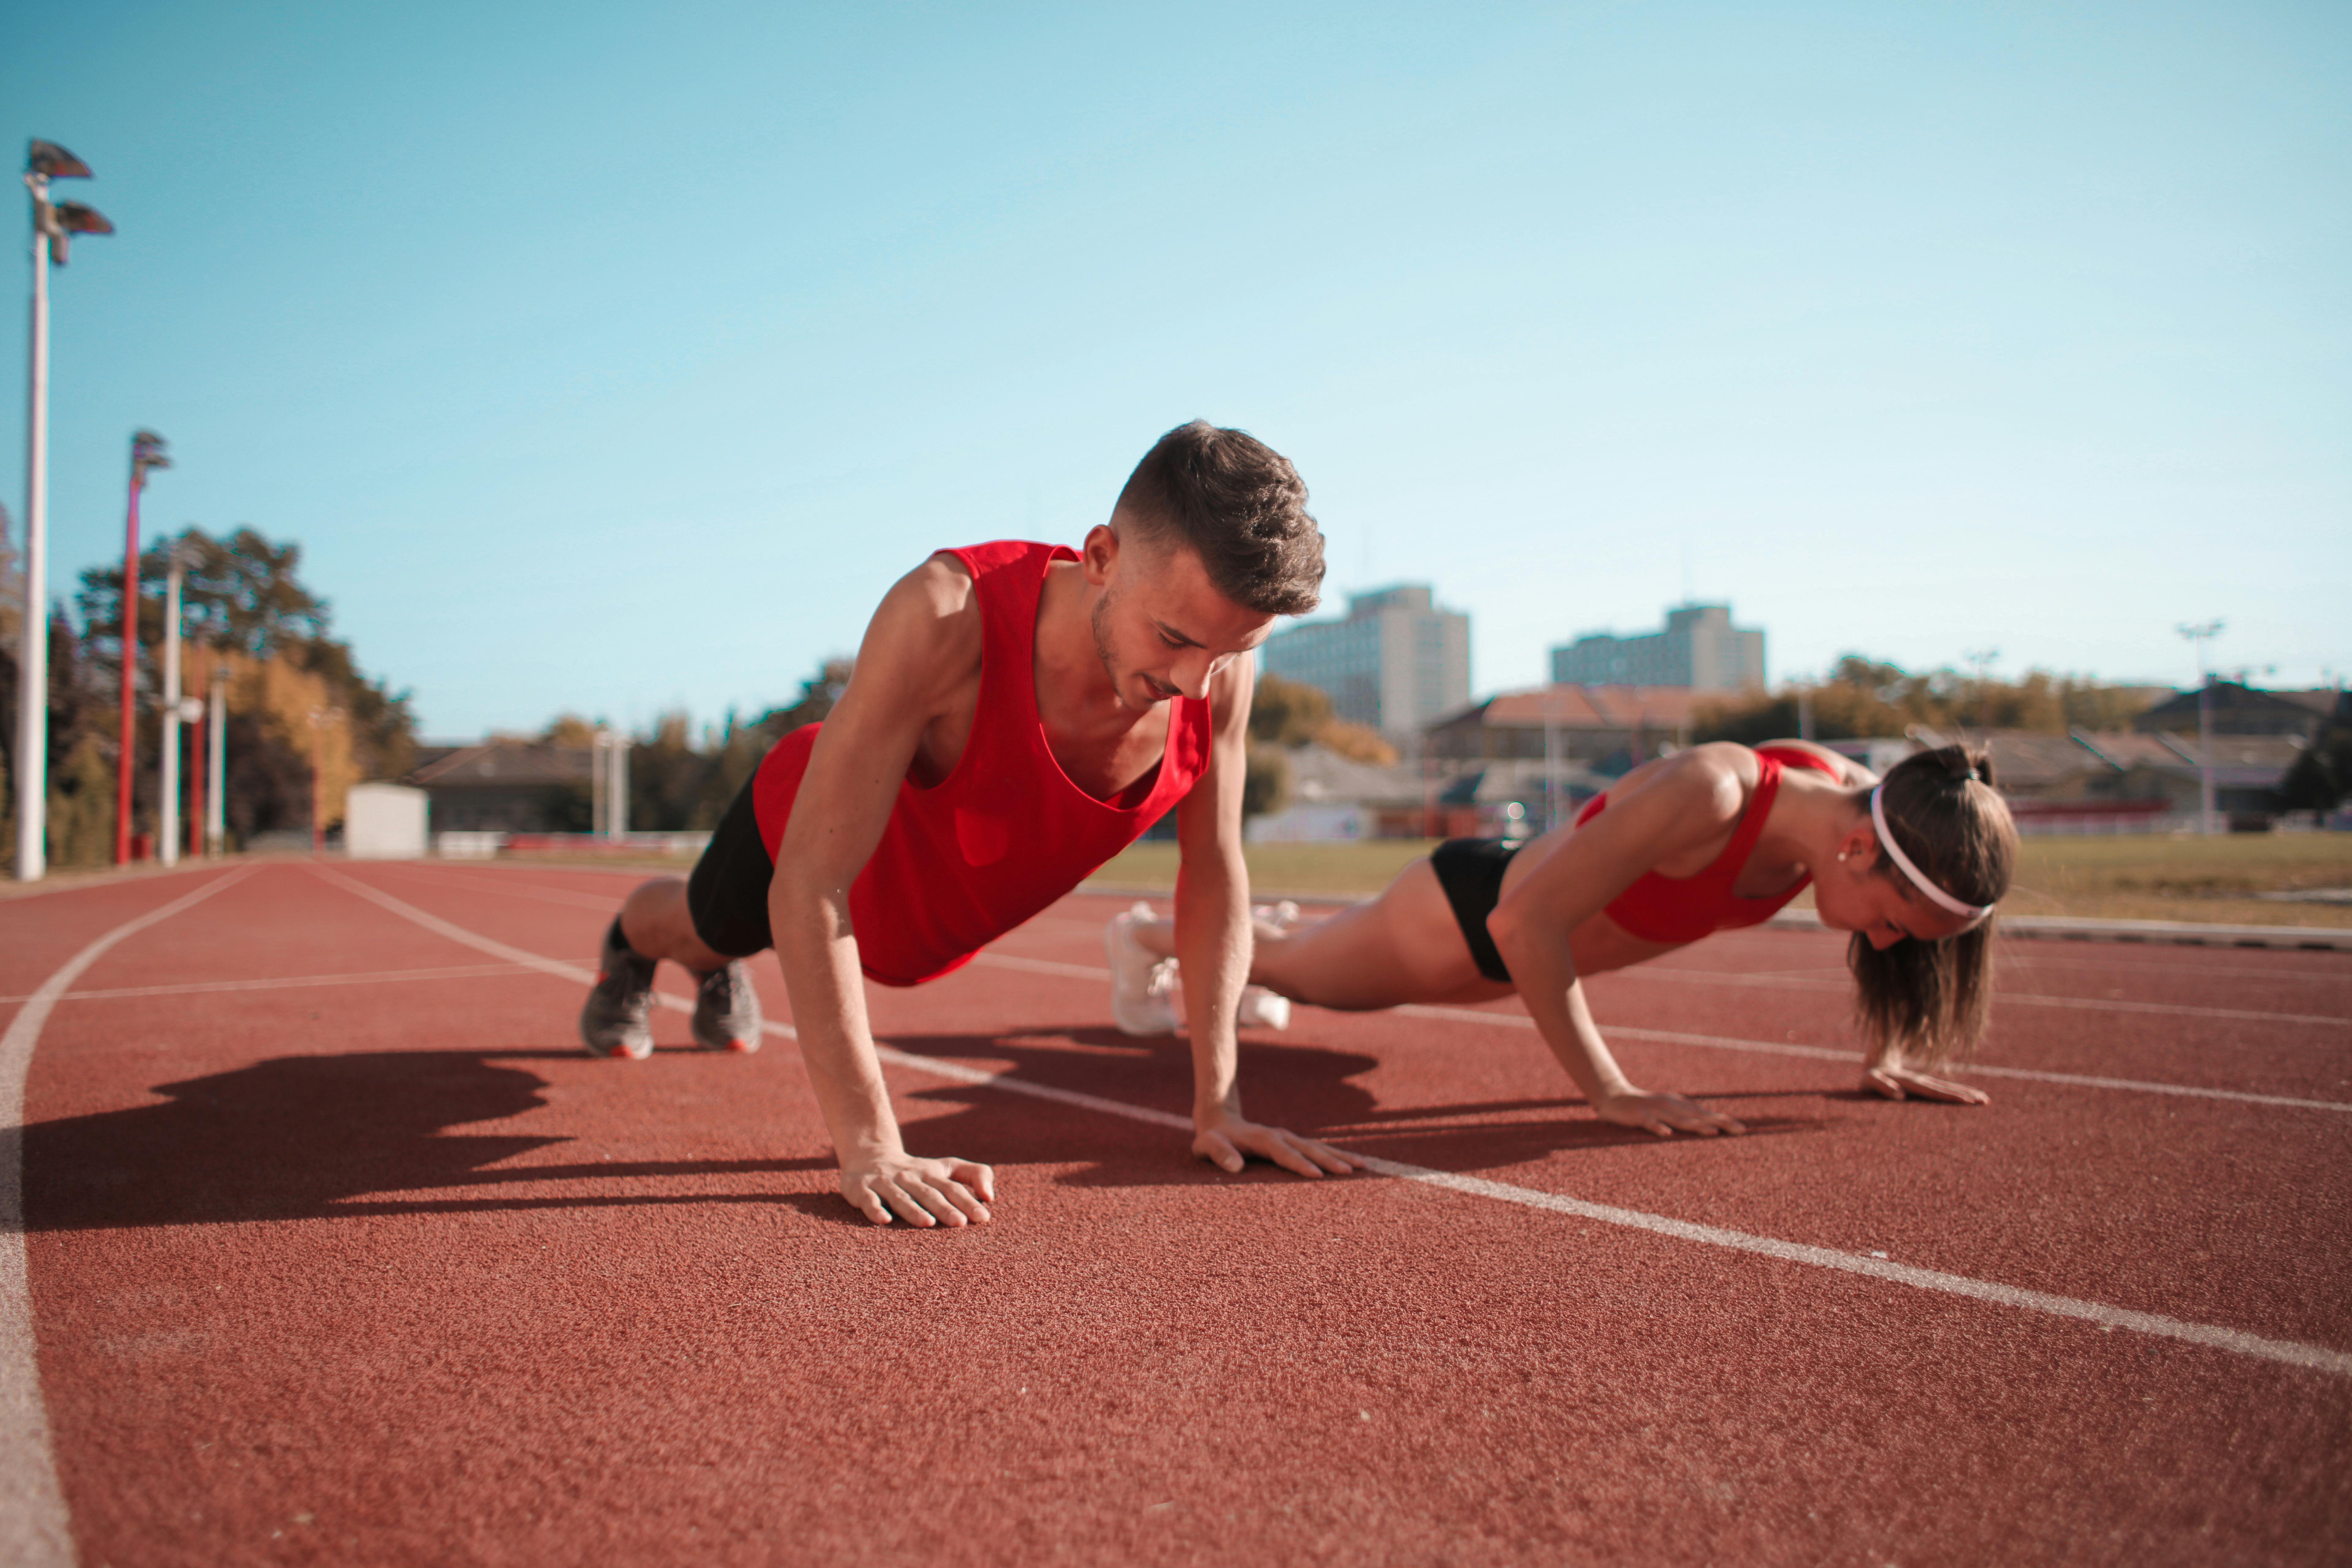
[
  {"x": 1396, "y": 662},
  {"x": 1700, "y": 649}
]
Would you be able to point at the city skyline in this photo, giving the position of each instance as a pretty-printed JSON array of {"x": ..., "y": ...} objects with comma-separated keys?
[{"x": 613, "y": 364}]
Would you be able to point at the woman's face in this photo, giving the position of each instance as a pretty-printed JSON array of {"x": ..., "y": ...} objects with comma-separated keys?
[{"x": 1853, "y": 896}]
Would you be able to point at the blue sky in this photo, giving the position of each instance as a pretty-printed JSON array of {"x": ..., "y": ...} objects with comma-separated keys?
[{"x": 615, "y": 358}]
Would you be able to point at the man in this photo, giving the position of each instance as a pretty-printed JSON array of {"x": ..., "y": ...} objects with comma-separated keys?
[{"x": 1018, "y": 714}]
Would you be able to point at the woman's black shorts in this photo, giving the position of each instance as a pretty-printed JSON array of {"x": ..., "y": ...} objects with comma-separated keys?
[
  {"x": 726, "y": 896},
  {"x": 1471, "y": 872}
]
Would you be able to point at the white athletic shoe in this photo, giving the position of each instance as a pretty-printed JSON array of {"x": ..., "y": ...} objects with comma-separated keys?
[
  {"x": 1142, "y": 983},
  {"x": 1262, "y": 1010},
  {"x": 1281, "y": 916}
]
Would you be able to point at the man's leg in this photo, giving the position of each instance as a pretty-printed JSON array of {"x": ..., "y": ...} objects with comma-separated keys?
[
  {"x": 705, "y": 923},
  {"x": 657, "y": 924}
]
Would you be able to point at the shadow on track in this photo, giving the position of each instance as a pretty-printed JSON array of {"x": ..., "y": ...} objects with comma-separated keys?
[
  {"x": 303, "y": 1137},
  {"x": 1308, "y": 1088}
]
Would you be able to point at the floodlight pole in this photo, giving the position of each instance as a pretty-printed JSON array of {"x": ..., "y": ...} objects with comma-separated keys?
[
  {"x": 617, "y": 792},
  {"x": 167, "y": 821},
  {"x": 597, "y": 741},
  {"x": 216, "y": 741},
  {"x": 2200, "y": 636},
  {"x": 33, "y": 647},
  {"x": 53, "y": 225},
  {"x": 146, "y": 452}
]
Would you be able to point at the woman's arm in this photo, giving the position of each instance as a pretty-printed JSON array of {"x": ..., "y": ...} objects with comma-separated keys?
[{"x": 1691, "y": 799}]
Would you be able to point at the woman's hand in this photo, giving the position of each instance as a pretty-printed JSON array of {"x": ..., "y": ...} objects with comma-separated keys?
[
  {"x": 1663, "y": 1114},
  {"x": 1892, "y": 1079}
]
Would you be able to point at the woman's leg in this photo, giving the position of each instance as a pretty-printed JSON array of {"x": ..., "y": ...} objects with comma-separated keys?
[{"x": 1403, "y": 946}]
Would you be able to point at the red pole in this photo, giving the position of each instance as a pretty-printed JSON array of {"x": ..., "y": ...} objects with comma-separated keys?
[
  {"x": 129, "y": 663},
  {"x": 317, "y": 803},
  {"x": 196, "y": 754}
]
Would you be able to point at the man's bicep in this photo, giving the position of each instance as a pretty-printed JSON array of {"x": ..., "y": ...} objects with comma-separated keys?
[{"x": 906, "y": 673}]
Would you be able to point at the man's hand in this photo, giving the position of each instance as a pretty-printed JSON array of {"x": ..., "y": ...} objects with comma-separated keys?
[
  {"x": 1226, "y": 1140},
  {"x": 1662, "y": 1114},
  {"x": 923, "y": 1192},
  {"x": 1896, "y": 1082}
]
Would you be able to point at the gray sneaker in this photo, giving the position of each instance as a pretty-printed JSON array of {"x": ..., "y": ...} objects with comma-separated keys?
[
  {"x": 614, "y": 1018},
  {"x": 727, "y": 1011}
]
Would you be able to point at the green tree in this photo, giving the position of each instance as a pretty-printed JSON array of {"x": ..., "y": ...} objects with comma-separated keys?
[
  {"x": 244, "y": 595},
  {"x": 2322, "y": 777},
  {"x": 1266, "y": 780},
  {"x": 1286, "y": 712},
  {"x": 1865, "y": 697}
]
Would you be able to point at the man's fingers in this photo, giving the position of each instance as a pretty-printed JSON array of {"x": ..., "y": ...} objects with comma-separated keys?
[
  {"x": 967, "y": 1203},
  {"x": 1339, "y": 1162},
  {"x": 979, "y": 1178},
  {"x": 906, "y": 1204},
  {"x": 1285, "y": 1152},
  {"x": 1218, "y": 1151}
]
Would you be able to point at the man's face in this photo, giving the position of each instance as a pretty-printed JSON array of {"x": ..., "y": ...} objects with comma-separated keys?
[{"x": 1160, "y": 625}]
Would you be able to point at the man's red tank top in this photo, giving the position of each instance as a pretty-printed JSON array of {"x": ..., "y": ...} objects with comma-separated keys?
[
  {"x": 1006, "y": 833},
  {"x": 1684, "y": 908}
]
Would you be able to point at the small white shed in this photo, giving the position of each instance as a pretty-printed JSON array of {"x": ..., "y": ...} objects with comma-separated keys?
[{"x": 384, "y": 822}]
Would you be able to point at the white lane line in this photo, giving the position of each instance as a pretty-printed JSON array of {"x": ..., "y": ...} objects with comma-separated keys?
[
  {"x": 497, "y": 949},
  {"x": 605, "y": 904},
  {"x": 33, "y": 1522},
  {"x": 2006, "y": 998},
  {"x": 1753, "y": 1048},
  {"x": 2317, "y": 1358},
  {"x": 1828, "y": 1054},
  {"x": 210, "y": 988}
]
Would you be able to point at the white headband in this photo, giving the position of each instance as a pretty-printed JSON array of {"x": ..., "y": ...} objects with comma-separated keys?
[{"x": 1918, "y": 878}]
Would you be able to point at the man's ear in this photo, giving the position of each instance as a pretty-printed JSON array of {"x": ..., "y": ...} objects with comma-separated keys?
[{"x": 1100, "y": 554}]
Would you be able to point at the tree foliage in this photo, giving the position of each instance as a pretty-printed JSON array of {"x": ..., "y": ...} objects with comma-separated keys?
[
  {"x": 1863, "y": 697},
  {"x": 679, "y": 784},
  {"x": 2322, "y": 777},
  {"x": 246, "y": 611},
  {"x": 1294, "y": 714}
]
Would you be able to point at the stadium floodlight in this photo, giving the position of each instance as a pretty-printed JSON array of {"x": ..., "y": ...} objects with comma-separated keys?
[
  {"x": 146, "y": 453},
  {"x": 53, "y": 223},
  {"x": 52, "y": 162},
  {"x": 2200, "y": 634}
]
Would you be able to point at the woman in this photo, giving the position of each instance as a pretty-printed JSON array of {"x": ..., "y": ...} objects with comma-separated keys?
[{"x": 1709, "y": 839}]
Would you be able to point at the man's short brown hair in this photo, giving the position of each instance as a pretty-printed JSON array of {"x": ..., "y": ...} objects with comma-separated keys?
[{"x": 1237, "y": 504}]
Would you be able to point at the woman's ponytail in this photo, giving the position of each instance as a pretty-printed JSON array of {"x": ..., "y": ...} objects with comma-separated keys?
[{"x": 1932, "y": 998}]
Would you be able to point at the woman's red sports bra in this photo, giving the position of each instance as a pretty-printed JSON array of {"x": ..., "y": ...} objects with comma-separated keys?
[{"x": 1684, "y": 908}]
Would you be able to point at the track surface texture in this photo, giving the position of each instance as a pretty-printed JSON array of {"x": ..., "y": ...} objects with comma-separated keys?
[{"x": 333, "y": 1248}]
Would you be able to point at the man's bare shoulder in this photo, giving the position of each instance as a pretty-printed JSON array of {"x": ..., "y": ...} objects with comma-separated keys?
[{"x": 931, "y": 617}]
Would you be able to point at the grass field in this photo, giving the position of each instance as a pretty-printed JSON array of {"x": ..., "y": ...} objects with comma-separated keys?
[{"x": 2138, "y": 877}]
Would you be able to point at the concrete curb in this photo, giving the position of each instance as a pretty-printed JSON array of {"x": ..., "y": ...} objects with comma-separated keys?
[{"x": 2046, "y": 928}]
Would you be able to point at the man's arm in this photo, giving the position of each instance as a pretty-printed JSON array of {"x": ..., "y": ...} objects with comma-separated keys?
[
  {"x": 921, "y": 647},
  {"x": 1213, "y": 945}
]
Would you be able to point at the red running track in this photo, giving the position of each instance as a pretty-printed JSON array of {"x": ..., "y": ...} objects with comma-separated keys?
[{"x": 338, "y": 1251}]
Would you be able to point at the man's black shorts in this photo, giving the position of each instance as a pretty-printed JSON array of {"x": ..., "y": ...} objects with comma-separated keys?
[{"x": 728, "y": 893}]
